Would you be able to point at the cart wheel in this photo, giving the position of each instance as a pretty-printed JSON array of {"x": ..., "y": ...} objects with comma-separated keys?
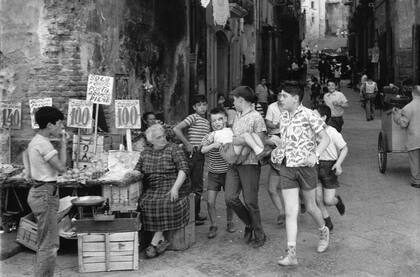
[{"x": 382, "y": 152}]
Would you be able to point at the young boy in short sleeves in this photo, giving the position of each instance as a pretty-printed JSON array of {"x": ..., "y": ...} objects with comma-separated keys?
[
  {"x": 295, "y": 160},
  {"x": 329, "y": 168}
]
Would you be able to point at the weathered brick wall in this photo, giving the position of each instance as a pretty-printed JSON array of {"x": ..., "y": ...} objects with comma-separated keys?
[{"x": 48, "y": 48}]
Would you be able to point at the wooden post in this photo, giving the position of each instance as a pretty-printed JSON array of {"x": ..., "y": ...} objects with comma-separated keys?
[
  {"x": 96, "y": 128},
  {"x": 128, "y": 138},
  {"x": 78, "y": 147},
  {"x": 10, "y": 144}
]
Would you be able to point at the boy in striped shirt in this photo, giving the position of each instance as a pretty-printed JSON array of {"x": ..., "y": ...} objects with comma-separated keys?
[
  {"x": 198, "y": 126},
  {"x": 217, "y": 167}
]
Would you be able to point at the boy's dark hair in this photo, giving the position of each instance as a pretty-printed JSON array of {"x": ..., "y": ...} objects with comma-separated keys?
[
  {"x": 324, "y": 110},
  {"x": 45, "y": 115},
  {"x": 294, "y": 88},
  {"x": 245, "y": 92},
  {"x": 330, "y": 81},
  {"x": 146, "y": 115},
  {"x": 200, "y": 98},
  {"x": 218, "y": 110}
]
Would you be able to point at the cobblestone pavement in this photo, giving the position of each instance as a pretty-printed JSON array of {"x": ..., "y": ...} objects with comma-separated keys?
[{"x": 378, "y": 236}]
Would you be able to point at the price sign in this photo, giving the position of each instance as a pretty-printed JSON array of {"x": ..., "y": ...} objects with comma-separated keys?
[
  {"x": 10, "y": 114},
  {"x": 86, "y": 148},
  {"x": 127, "y": 114},
  {"x": 99, "y": 89},
  {"x": 80, "y": 114},
  {"x": 35, "y": 104}
]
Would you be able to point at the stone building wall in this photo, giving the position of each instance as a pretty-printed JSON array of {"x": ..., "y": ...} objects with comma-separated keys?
[{"x": 48, "y": 48}]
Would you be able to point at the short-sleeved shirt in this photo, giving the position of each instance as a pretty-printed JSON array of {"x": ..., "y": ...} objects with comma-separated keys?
[
  {"x": 412, "y": 112},
  {"x": 274, "y": 115},
  {"x": 216, "y": 163},
  {"x": 336, "y": 144},
  {"x": 249, "y": 122},
  {"x": 262, "y": 93},
  {"x": 40, "y": 151},
  {"x": 335, "y": 96},
  {"x": 298, "y": 137},
  {"x": 198, "y": 128}
]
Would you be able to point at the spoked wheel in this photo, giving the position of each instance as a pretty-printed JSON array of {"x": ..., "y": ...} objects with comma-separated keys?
[{"x": 382, "y": 152}]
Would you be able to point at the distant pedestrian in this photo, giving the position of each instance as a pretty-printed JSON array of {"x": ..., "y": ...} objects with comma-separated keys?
[
  {"x": 263, "y": 94},
  {"x": 198, "y": 127},
  {"x": 295, "y": 160},
  {"x": 409, "y": 118},
  {"x": 323, "y": 68},
  {"x": 337, "y": 76},
  {"x": 43, "y": 163},
  {"x": 315, "y": 92},
  {"x": 369, "y": 91},
  {"x": 329, "y": 168},
  {"x": 337, "y": 103}
]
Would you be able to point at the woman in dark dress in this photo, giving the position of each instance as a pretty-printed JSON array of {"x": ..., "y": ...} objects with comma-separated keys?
[{"x": 164, "y": 203}]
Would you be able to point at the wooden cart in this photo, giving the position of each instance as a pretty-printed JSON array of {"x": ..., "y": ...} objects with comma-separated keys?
[{"x": 392, "y": 139}]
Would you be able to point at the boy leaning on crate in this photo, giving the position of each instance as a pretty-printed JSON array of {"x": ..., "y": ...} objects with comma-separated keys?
[
  {"x": 409, "y": 118},
  {"x": 42, "y": 165}
]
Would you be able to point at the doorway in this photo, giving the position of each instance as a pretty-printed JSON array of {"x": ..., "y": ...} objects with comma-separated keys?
[{"x": 222, "y": 66}]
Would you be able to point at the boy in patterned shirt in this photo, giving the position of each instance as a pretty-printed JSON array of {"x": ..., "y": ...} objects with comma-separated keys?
[
  {"x": 217, "y": 171},
  {"x": 295, "y": 160},
  {"x": 198, "y": 127}
]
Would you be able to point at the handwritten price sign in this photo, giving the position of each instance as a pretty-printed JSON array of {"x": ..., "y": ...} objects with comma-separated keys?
[
  {"x": 127, "y": 114},
  {"x": 80, "y": 114},
  {"x": 10, "y": 115},
  {"x": 35, "y": 104},
  {"x": 99, "y": 89}
]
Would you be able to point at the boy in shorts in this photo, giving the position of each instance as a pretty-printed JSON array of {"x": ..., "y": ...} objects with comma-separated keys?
[
  {"x": 217, "y": 167},
  {"x": 295, "y": 160},
  {"x": 329, "y": 167}
]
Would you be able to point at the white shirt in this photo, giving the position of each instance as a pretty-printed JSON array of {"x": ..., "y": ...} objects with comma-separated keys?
[
  {"x": 274, "y": 115},
  {"x": 40, "y": 151},
  {"x": 336, "y": 96},
  {"x": 336, "y": 144}
]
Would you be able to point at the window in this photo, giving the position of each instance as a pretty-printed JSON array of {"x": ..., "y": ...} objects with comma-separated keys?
[{"x": 312, "y": 5}]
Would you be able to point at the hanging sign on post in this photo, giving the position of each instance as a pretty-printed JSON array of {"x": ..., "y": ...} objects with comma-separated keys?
[
  {"x": 80, "y": 114},
  {"x": 10, "y": 115},
  {"x": 34, "y": 104},
  {"x": 127, "y": 114},
  {"x": 99, "y": 89}
]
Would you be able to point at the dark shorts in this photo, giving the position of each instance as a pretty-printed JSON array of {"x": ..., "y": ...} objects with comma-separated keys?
[
  {"x": 336, "y": 122},
  {"x": 326, "y": 175},
  {"x": 216, "y": 181},
  {"x": 305, "y": 178}
]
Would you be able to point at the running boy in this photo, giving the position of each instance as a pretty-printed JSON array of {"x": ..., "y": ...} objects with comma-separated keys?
[
  {"x": 295, "y": 160},
  {"x": 198, "y": 126},
  {"x": 217, "y": 167},
  {"x": 43, "y": 165},
  {"x": 329, "y": 168}
]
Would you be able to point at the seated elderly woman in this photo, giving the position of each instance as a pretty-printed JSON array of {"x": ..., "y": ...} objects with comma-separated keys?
[{"x": 163, "y": 204}]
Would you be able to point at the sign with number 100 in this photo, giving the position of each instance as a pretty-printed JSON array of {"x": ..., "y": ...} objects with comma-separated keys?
[
  {"x": 10, "y": 115},
  {"x": 80, "y": 114},
  {"x": 127, "y": 114}
]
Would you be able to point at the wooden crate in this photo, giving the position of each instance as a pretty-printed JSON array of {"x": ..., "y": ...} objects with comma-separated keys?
[
  {"x": 122, "y": 198},
  {"x": 108, "y": 251},
  {"x": 124, "y": 222},
  {"x": 184, "y": 238},
  {"x": 27, "y": 232}
]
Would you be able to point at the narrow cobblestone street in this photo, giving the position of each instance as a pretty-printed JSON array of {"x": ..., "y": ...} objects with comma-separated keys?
[{"x": 378, "y": 236}]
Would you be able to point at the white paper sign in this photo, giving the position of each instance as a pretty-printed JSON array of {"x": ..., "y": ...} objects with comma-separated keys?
[
  {"x": 99, "y": 89},
  {"x": 127, "y": 114},
  {"x": 80, "y": 114},
  {"x": 10, "y": 115},
  {"x": 86, "y": 146},
  {"x": 35, "y": 104}
]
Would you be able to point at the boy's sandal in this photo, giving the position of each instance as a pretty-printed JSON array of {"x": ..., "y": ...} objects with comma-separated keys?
[{"x": 151, "y": 251}]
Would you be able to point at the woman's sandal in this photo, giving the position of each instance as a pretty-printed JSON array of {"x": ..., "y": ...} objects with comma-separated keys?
[
  {"x": 162, "y": 246},
  {"x": 151, "y": 251}
]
